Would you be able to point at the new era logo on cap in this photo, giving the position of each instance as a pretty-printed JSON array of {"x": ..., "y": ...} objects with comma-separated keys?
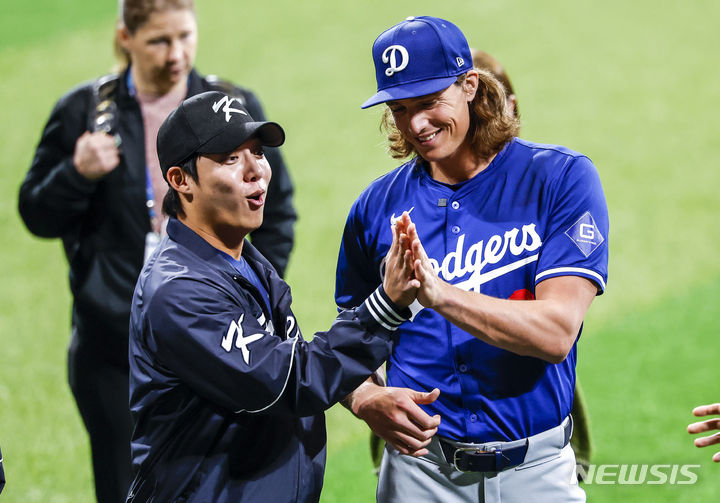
[{"x": 419, "y": 56}]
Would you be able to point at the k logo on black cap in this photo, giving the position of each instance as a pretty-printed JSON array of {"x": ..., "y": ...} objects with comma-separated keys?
[{"x": 210, "y": 123}]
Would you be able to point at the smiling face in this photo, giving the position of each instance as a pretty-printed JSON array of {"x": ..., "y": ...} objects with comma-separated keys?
[
  {"x": 226, "y": 201},
  {"x": 437, "y": 124},
  {"x": 162, "y": 50}
]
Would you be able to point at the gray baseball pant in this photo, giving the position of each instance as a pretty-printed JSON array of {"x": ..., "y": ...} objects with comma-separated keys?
[{"x": 547, "y": 475}]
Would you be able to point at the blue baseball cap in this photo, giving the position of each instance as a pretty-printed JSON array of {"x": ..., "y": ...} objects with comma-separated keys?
[{"x": 419, "y": 56}]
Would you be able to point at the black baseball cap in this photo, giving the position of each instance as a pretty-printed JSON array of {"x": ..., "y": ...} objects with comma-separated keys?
[{"x": 210, "y": 123}]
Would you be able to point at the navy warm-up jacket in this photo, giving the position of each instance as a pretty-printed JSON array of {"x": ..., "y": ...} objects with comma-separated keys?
[{"x": 227, "y": 398}]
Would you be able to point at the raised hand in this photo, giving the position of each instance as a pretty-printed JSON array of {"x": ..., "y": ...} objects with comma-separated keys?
[
  {"x": 399, "y": 282},
  {"x": 707, "y": 425},
  {"x": 96, "y": 155},
  {"x": 430, "y": 286}
]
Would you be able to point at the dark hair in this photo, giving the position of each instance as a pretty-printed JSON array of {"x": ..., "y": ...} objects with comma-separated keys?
[
  {"x": 491, "y": 125},
  {"x": 484, "y": 61},
  {"x": 134, "y": 13},
  {"x": 172, "y": 204}
]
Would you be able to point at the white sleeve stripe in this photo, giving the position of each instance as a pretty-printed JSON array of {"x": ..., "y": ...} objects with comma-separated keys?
[
  {"x": 387, "y": 318},
  {"x": 386, "y": 307},
  {"x": 287, "y": 379},
  {"x": 383, "y": 309},
  {"x": 377, "y": 317},
  {"x": 558, "y": 270}
]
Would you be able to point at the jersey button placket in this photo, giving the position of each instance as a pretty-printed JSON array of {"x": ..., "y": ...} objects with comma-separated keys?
[{"x": 453, "y": 218}]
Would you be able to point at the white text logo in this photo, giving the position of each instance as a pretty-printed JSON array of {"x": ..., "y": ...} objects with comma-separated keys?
[
  {"x": 458, "y": 263},
  {"x": 235, "y": 332},
  {"x": 587, "y": 231},
  {"x": 639, "y": 474},
  {"x": 392, "y": 59},
  {"x": 227, "y": 102}
]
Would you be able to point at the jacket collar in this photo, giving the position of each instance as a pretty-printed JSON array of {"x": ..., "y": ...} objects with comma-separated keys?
[
  {"x": 185, "y": 236},
  {"x": 195, "y": 84},
  {"x": 278, "y": 290}
]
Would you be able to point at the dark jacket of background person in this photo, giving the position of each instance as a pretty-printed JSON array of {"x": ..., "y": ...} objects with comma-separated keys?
[{"x": 103, "y": 223}]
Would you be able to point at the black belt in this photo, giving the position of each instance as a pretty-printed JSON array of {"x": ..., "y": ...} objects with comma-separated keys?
[{"x": 494, "y": 459}]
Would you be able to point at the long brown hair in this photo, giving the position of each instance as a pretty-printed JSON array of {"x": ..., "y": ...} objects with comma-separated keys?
[
  {"x": 134, "y": 13},
  {"x": 491, "y": 124},
  {"x": 484, "y": 61}
]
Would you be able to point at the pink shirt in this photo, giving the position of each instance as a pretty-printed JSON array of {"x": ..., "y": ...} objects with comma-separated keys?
[{"x": 154, "y": 111}]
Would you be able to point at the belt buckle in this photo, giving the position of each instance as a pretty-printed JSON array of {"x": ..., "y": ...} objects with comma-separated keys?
[{"x": 472, "y": 451}]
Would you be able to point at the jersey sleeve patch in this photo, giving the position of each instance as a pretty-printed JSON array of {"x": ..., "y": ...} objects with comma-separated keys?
[{"x": 585, "y": 234}]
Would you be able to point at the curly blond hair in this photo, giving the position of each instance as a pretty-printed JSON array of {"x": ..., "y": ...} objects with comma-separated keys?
[{"x": 492, "y": 124}]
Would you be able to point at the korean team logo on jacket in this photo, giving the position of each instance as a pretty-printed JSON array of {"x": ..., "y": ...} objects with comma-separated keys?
[
  {"x": 585, "y": 234},
  {"x": 242, "y": 342}
]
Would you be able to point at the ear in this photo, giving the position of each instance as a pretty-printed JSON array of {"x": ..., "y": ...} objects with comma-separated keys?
[
  {"x": 179, "y": 180},
  {"x": 512, "y": 104},
  {"x": 470, "y": 85},
  {"x": 122, "y": 35}
]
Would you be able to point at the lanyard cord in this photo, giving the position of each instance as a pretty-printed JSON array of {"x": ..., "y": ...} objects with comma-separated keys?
[{"x": 149, "y": 191}]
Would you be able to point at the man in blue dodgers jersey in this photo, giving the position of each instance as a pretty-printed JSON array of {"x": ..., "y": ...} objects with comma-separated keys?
[
  {"x": 226, "y": 396},
  {"x": 516, "y": 240},
  {"x": 2, "y": 474}
]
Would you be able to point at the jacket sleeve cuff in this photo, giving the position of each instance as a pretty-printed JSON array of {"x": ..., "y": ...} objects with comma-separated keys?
[
  {"x": 384, "y": 311},
  {"x": 78, "y": 181},
  {"x": 66, "y": 179}
]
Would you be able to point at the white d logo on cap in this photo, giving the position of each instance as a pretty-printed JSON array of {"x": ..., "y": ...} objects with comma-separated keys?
[{"x": 392, "y": 59}]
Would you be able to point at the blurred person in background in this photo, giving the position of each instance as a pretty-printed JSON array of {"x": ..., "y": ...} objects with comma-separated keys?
[
  {"x": 484, "y": 61},
  {"x": 95, "y": 182}
]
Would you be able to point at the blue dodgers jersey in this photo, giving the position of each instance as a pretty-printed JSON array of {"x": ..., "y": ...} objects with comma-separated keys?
[{"x": 538, "y": 211}]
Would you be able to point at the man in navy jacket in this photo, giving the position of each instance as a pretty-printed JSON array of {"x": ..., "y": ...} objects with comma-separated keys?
[{"x": 226, "y": 396}]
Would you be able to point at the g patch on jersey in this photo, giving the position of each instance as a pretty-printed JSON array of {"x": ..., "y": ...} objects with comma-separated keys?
[{"x": 585, "y": 234}]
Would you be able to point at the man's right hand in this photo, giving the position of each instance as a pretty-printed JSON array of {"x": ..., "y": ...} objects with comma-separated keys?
[
  {"x": 399, "y": 282},
  {"x": 393, "y": 414},
  {"x": 96, "y": 155}
]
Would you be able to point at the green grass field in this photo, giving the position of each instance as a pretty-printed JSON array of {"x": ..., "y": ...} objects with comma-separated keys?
[{"x": 631, "y": 84}]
